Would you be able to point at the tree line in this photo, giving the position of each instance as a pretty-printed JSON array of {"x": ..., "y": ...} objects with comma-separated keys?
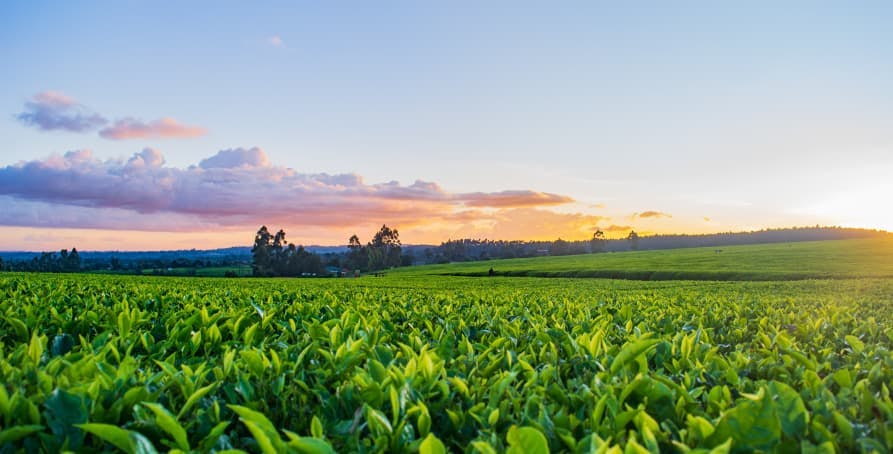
[
  {"x": 273, "y": 256},
  {"x": 47, "y": 262}
]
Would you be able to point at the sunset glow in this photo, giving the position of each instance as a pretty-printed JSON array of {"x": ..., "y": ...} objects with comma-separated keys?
[{"x": 523, "y": 123}]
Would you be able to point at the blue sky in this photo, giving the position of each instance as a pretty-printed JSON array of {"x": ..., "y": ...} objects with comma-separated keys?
[{"x": 720, "y": 117}]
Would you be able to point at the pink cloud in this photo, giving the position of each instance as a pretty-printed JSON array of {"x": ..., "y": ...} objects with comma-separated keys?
[
  {"x": 163, "y": 128},
  {"x": 514, "y": 199},
  {"x": 55, "y": 111},
  {"x": 232, "y": 189}
]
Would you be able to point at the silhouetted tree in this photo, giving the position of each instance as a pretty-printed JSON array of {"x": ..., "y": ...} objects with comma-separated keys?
[
  {"x": 357, "y": 255},
  {"x": 384, "y": 249},
  {"x": 598, "y": 242},
  {"x": 633, "y": 239},
  {"x": 261, "y": 260}
]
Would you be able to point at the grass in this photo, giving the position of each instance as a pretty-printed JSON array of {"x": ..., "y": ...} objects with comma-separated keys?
[{"x": 837, "y": 259}]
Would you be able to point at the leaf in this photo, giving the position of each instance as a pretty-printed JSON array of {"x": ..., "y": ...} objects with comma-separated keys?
[
  {"x": 753, "y": 425},
  {"x": 855, "y": 343},
  {"x": 125, "y": 440},
  {"x": 261, "y": 428},
  {"x": 791, "y": 411},
  {"x": 316, "y": 429},
  {"x": 378, "y": 422},
  {"x": 35, "y": 348},
  {"x": 630, "y": 352},
  {"x": 526, "y": 440},
  {"x": 168, "y": 423},
  {"x": 432, "y": 445},
  {"x": 17, "y": 432},
  {"x": 211, "y": 439},
  {"x": 63, "y": 411},
  {"x": 198, "y": 394},
  {"x": 309, "y": 445},
  {"x": 20, "y": 328}
]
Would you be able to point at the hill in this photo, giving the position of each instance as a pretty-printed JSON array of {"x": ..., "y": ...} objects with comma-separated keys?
[{"x": 780, "y": 261}]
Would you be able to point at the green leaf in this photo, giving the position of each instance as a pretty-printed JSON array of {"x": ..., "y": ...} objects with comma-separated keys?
[
  {"x": 125, "y": 440},
  {"x": 261, "y": 429},
  {"x": 855, "y": 343},
  {"x": 309, "y": 445},
  {"x": 35, "y": 348},
  {"x": 168, "y": 423},
  {"x": 316, "y": 429},
  {"x": 790, "y": 409},
  {"x": 432, "y": 445},
  {"x": 378, "y": 422},
  {"x": 526, "y": 440},
  {"x": 211, "y": 439},
  {"x": 198, "y": 394},
  {"x": 20, "y": 328},
  {"x": 63, "y": 411},
  {"x": 17, "y": 432},
  {"x": 753, "y": 425},
  {"x": 630, "y": 352}
]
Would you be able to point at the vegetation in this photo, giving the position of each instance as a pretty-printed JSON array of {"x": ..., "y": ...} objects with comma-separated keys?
[
  {"x": 432, "y": 364},
  {"x": 803, "y": 260}
]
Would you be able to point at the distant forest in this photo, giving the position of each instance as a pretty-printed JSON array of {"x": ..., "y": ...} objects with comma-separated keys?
[{"x": 272, "y": 256}]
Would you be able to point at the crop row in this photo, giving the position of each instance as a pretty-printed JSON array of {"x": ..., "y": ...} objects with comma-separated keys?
[{"x": 144, "y": 364}]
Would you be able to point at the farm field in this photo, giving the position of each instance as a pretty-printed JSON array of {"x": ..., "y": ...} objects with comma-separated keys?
[
  {"x": 413, "y": 363},
  {"x": 782, "y": 261}
]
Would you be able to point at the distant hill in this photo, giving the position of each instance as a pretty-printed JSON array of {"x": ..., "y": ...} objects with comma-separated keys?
[{"x": 833, "y": 259}]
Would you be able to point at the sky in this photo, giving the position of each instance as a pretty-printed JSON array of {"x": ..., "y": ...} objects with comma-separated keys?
[{"x": 166, "y": 125}]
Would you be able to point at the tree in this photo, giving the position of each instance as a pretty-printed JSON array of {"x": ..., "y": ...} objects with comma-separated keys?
[
  {"x": 633, "y": 239},
  {"x": 261, "y": 259},
  {"x": 357, "y": 258},
  {"x": 598, "y": 241},
  {"x": 384, "y": 249}
]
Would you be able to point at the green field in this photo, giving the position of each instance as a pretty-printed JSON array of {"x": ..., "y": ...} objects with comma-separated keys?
[
  {"x": 785, "y": 261},
  {"x": 412, "y": 362}
]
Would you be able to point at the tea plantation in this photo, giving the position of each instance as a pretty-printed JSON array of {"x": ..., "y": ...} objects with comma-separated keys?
[{"x": 436, "y": 364}]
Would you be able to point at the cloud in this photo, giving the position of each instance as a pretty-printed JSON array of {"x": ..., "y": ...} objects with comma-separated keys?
[
  {"x": 651, "y": 214},
  {"x": 617, "y": 228},
  {"x": 163, "y": 128},
  {"x": 276, "y": 41},
  {"x": 514, "y": 199},
  {"x": 236, "y": 158},
  {"x": 54, "y": 111},
  {"x": 235, "y": 188},
  {"x": 706, "y": 219}
]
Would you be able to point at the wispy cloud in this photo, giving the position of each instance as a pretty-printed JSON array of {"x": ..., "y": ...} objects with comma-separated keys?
[
  {"x": 513, "y": 199},
  {"x": 651, "y": 214},
  {"x": 163, "y": 128},
  {"x": 234, "y": 187},
  {"x": 617, "y": 228},
  {"x": 54, "y": 111}
]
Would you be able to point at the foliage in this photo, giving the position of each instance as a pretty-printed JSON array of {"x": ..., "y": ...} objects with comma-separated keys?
[
  {"x": 273, "y": 256},
  {"x": 443, "y": 364}
]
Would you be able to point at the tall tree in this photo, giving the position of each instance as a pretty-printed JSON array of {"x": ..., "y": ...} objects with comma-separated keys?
[
  {"x": 357, "y": 254},
  {"x": 385, "y": 250},
  {"x": 260, "y": 254},
  {"x": 598, "y": 241},
  {"x": 633, "y": 239}
]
